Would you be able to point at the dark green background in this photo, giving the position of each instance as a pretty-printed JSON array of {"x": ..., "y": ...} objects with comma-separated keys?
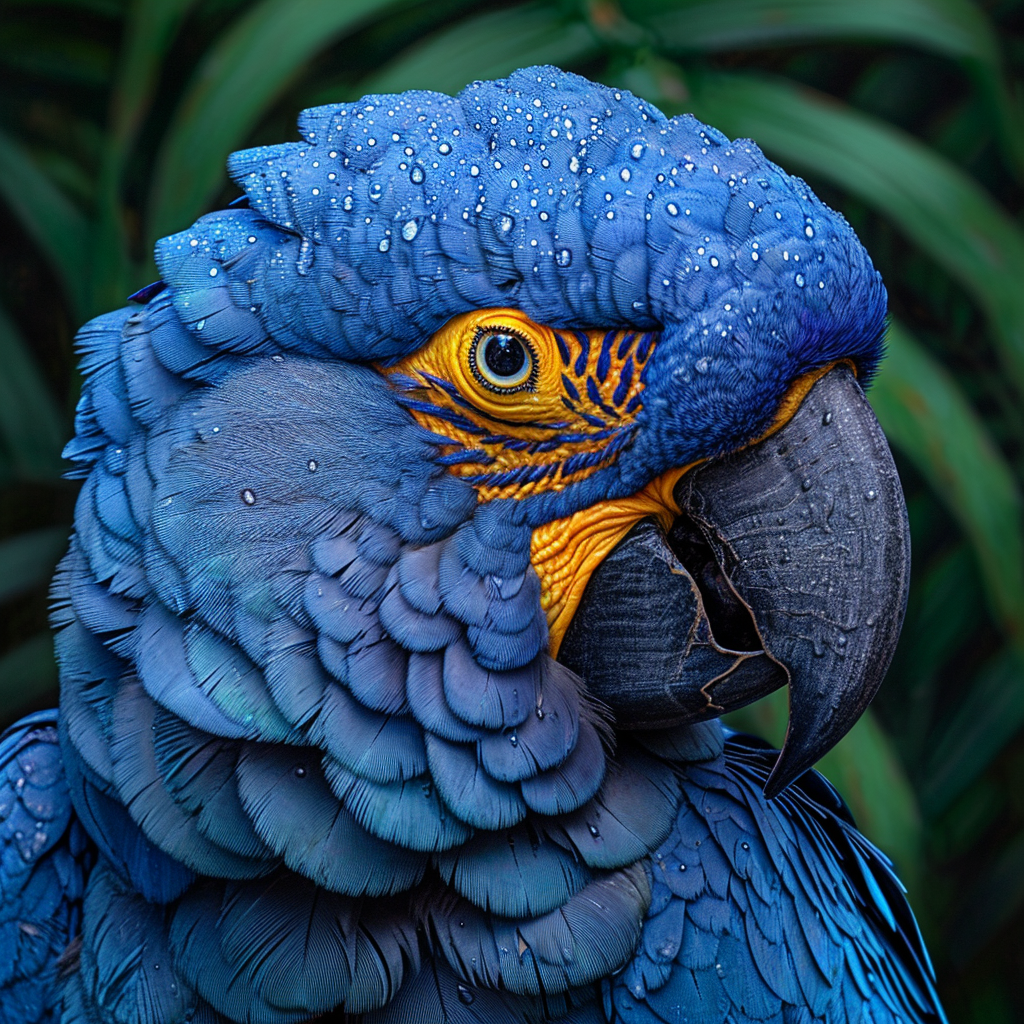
[{"x": 907, "y": 115}]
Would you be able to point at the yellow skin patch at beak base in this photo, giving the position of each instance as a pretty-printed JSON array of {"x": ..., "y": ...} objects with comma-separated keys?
[{"x": 565, "y": 552}]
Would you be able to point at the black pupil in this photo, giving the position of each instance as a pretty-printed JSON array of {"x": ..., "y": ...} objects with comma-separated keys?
[{"x": 504, "y": 355}]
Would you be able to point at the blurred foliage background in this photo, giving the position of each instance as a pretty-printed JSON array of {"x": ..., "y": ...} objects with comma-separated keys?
[{"x": 908, "y": 115}]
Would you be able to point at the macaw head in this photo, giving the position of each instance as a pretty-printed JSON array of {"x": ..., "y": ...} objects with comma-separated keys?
[{"x": 638, "y": 349}]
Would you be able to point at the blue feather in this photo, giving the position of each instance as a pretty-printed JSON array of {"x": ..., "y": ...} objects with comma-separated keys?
[
  {"x": 517, "y": 873},
  {"x": 284, "y": 791},
  {"x": 283, "y": 951},
  {"x": 409, "y": 813},
  {"x": 126, "y": 970},
  {"x": 464, "y": 786}
]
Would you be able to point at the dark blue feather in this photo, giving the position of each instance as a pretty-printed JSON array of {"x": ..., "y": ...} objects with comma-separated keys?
[
  {"x": 284, "y": 791},
  {"x": 568, "y": 947},
  {"x": 283, "y": 951},
  {"x": 516, "y": 873},
  {"x": 409, "y": 813},
  {"x": 492, "y": 699},
  {"x": 150, "y": 804},
  {"x": 126, "y": 970},
  {"x": 198, "y": 770},
  {"x": 44, "y": 856},
  {"x": 383, "y": 748},
  {"x": 464, "y": 786}
]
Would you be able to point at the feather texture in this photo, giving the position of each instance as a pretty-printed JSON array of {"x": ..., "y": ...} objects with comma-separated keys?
[{"x": 772, "y": 911}]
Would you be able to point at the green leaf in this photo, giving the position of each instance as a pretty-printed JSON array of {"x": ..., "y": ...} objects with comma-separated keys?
[
  {"x": 953, "y": 27},
  {"x": 28, "y": 559},
  {"x": 150, "y": 30},
  {"x": 945, "y": 613},
  {"x": 939, "y": 207},
  {"x": 972, "y": 738},
  {"x": 53, "y": 223},
  {"x": 32, "y": 429},
  {"x": 28, "y": 673},
  {"x": 994, "y": 898},
  {"x": 925, "y": 414},
  {"x": 235, "y": 82},
  {"x": 487, "y": 46}
]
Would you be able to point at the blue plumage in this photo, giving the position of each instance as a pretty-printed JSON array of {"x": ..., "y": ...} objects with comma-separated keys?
[
  {"x": 772, "y": 911},
  {"x": 309, "y": 714},
  {"x": 44, "y": 857}
]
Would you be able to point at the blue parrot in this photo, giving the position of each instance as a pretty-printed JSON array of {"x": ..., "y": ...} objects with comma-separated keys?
[{"x": 437, "y": 502}]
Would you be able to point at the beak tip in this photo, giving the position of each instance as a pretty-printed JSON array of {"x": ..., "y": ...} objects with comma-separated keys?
[{"x": 782, "y": 776}]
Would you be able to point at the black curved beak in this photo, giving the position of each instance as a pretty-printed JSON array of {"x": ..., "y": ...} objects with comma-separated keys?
[{"x": 789, "y": 562}]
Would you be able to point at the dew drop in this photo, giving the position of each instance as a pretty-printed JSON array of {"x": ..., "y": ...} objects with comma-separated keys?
[
  {"x": 409, "y": 229},
  {"x": 312, "y": 465},
  {"x": 506, "y": 223},
  {"x": 300, "y": 771},
  {"x": 444, "y": 149},
  {"x": 625, "y": 174},
  {"x": 637, "y": 151},
  {"x": 800, "y": 280},
  {"x": 826, "y": 419},
  {"x": 249, "y": 496},
  {"x": 385, "y": 244},
  {"x": 673, "y": 210},
  {"x": 416, "y": 175},
  {"x": 465, "y": 995}
]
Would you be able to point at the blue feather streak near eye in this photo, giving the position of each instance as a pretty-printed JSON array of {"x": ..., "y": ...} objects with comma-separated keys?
[
  {"x": 634, "y": 404},
  {"x": 570, "y": 388},
  {"x": 468, "y": 455},
  {"x": 625, "y": 382},
  {"x": 595, "y": 396},
  {"x": 594, "y": 421},
  {"x": 643, "y": 350},
  {"x": 448, "y": 415},
  {"x": 604, "y": 360},
  {"x": 584, "y": 460},
  {"x": 519, "y": 475},
  {"x": 625, "y": 345},
  {"x": 574, "y": 438},
  {"x": 581, "y": 361},
  {"x": 563, "y": 349}
]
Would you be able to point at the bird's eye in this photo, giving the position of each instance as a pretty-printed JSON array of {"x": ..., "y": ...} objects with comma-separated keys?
[{"x": 502, "y": 361}]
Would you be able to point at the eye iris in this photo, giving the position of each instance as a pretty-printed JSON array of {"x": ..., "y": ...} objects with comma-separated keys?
[{"x": 504, "y": 355}]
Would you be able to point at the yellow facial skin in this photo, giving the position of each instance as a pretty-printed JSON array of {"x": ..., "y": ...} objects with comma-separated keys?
[
  {"x": 563, "y": 412},
  {"x": 580, "y": 398}
]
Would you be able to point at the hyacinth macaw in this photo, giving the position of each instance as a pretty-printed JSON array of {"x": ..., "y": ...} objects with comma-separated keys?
[{"x": 437, "y": 502}]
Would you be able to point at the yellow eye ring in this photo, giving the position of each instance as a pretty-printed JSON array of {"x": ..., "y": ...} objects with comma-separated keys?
[{"x": 502, "y": 360}]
